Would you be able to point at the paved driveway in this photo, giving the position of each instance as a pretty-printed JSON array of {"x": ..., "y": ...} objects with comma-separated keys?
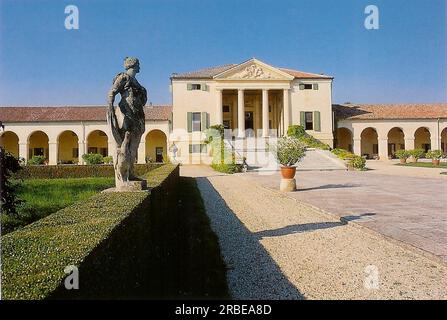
[{"x": 407, "y": 208}]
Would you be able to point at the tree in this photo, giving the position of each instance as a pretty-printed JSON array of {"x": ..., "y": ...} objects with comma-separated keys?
[{"x": 8, "y": 198}]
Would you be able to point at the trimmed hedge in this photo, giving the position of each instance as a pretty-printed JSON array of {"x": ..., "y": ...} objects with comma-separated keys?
[
  {"x": 77, "y": 171},
  {"x": 107, "y": 237}
]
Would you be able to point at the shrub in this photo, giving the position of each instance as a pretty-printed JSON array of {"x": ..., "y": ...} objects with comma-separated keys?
[
  {"x": 93, "y": 158},
  {"x": 106, "y": 237},
  {"x": 288, "y": 151},
  {"x": 229, "y": 168},
  {"x": 357, "y": 162},
  {"x": 36, "y": 160},
  {"x": 435, "y": 154},
  {"x": 224, "y": 159},
  {"x": 343, "y": 154},
  {"x": 417, "y": 154},
  {"x": 77, "y": 171},
  {"x": 309, "y": 141},
  {"x": 9, "y": 165},
  {"x": 296, "y": 131},
  {"x": 402, "y": 154},
  {"x": 108, "y": 160}
]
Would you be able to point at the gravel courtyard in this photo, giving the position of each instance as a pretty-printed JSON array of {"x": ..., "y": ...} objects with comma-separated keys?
[{"x": 278, "y": 248}]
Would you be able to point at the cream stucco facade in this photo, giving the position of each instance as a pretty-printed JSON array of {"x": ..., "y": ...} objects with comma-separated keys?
[
  {"x": 66, "y": 142},
  {"x": 251, "y": 99},
  {"x": 381, "y": 138}
]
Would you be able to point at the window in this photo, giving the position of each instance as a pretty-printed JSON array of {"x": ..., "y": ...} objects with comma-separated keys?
[
  {"x": 196, "y": 122},
  {"x": 39, "y": 151},
  {"x": 309, "y": 124},
  {"x": 306, "y": 86},
  {"x": 92, "y": 150},
  {"x": 197, "y": 148},
  {"x": 103, "y": 152},
  {"x": 75, "y": 153},
  {"x": 226, "y": 108},
  {"x": 196, "y": 86},
  {"x": 227, "y": 124}
]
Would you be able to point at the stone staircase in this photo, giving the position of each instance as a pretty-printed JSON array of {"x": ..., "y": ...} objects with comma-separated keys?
[{"x": 260, "y": 159}]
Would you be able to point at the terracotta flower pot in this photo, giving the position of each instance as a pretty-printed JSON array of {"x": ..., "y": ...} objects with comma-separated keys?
[
  {"x": 288, "y": 172},
  {"x": 403, "y": 160},
  {"x": 435, "y": 162}
]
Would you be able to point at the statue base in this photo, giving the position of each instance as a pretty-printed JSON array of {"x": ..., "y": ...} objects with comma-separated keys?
[{"x": 130, "y": 186}]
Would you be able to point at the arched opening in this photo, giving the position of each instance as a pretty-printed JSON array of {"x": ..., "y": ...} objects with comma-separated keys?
[
  {"x": 156, "y": 146},
  {"x": 396, "y": 141},
  {"x": 344, "y": 139},
  {"x": 10, "y": 142},
  {"x": 38, "y": 145},
  {"x": 98, "y": 142},
  {"x": 370, "y": 143},
  {"x": 422, "y": 139},
  {"x": 444, "y": 140},
  {"x": 68, "y": 148}
]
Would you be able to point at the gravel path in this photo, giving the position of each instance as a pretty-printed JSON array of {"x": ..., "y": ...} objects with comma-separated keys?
[{"x": 277, "y": 248}]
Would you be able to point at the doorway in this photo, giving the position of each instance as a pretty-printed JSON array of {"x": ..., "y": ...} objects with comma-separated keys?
[{"x": 159, "y": 154}]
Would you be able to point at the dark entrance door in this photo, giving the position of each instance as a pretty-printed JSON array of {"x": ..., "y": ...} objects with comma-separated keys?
[
  {"x": 249, "y": 123},
  {"x": 159, "y": 154}
]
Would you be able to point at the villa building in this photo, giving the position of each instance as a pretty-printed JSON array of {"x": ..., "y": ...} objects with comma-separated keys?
[{"x": 252, "y": 99}]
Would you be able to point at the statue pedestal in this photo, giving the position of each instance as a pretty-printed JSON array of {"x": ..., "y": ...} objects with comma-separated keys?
[
  {"x": 130, "y": 186},
  {"x": 287, "y": 185}
]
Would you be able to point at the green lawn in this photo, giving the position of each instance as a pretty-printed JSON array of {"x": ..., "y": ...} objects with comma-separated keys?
[
  {"x": 44, "y": 196},
  {"x": 423, "y": 165}
]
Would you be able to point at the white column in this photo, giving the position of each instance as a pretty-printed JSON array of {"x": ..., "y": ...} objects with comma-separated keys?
[
  {"x": 81, "y": 151},
  {"x": 265, "y": 113},
  {"x": 383, "y": 148},
  {"x": 409, "y": 143},
  {"x": 142, "y": 152},
  {"x": 286, "y": 110},
  {"x": 357, "y": 147},
  {"x": 23, "y": 150},
  {"x": 52, "y": 153},
  {"x": 434, "y": 143},
  {"x": 240, "y": 113},
  {"x": 219, "y": 117}
]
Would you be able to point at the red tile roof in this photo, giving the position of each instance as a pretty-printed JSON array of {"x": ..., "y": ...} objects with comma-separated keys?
[
  {"x": 304, "y": 75},
  {"x": 209, "y": 73},
  {"x": 390, "y": 111},
  {"x": 73, "y": 113}
]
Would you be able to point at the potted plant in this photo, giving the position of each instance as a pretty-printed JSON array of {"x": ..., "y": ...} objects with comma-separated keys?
[
  {"x": 416, "y": 154},
  {"x": 403, "y": 155},
  {"x": 288, "y": 152},
  {"x": 435, "y": 156}
]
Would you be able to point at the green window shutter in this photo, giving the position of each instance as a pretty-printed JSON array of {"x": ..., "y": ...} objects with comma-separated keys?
[
  {"x": 170, "y": 121},
  {"x": 190, "y": 148},
  {"x": 204, "y": 87},
  {"x": 302, "y": 118},
  {"x": 317, "y": 121},
  {"x": 207, "y": 120},
  {"x": 301, "y": 86},
  {"x": 189, "y": 121},
  {"x": 204, "y": 121},
  {"x": 203, "y": 148},
  {"x": 189, "y": 86},
  {"x": 315, "y": 86}
]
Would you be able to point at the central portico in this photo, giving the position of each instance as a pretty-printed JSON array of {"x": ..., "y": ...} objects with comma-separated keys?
[
  {"x": 252, "y": 99},
  {"x": 253, "y": 96}
]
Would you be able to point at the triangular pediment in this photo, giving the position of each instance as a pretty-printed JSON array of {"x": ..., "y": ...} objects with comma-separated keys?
[{"x": 253, "y": 69}]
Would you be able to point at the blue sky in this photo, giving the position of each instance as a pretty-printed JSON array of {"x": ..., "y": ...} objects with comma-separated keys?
[{"x": 42, "y": 63}]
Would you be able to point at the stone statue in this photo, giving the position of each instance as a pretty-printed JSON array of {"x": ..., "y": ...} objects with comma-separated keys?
[{"x": 126, "y": 122}]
